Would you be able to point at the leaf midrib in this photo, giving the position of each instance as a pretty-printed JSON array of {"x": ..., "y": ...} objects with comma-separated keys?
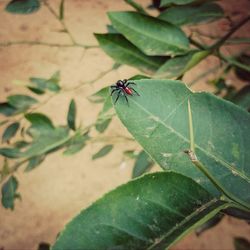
[{"x": 216, "y": 158}]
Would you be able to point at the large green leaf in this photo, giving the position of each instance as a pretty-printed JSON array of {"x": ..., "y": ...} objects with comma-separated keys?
[
  {"x": 158, "y": 119},
  {"x": 175, "y": 67},
  {"x": 152, "y": 36},
  {"x": 151, "y": 212},
  {"x": 182, "y": 15},
  {"x": 23, "y": 6},
  {"x": 124, "y": 52}
]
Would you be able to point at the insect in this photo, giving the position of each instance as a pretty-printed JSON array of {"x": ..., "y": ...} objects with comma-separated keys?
[{"x": 122, "y": 86}]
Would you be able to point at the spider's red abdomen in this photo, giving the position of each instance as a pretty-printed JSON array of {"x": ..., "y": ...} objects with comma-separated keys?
[{"x": 128, "y": 91}]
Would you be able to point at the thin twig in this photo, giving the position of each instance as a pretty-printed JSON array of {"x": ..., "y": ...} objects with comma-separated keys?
[{"x": 223, "y": 39}]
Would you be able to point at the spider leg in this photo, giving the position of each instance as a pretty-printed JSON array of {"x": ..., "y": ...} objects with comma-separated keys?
[
  {"x": 112, "y": 92},
  {"x": 125, "y": 95},
  {"x": 128, "y": 83},
  {"x": 135, "y": 91},
  {"x": 113, "y": 86},
  {"x": 126, "y": 99},
  {"x": 118, "y": 95}
]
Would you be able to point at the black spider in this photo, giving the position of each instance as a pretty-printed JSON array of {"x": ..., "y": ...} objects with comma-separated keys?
[{"x": 123, "y": 89}]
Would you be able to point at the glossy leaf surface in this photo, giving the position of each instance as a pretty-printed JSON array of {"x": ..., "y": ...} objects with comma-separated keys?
[
  {"x": 158, "y": 120},
  {"x": 152, "y": 36},
  {"x": 152, "y": 211},
  {"x": 124, "y": 52}
]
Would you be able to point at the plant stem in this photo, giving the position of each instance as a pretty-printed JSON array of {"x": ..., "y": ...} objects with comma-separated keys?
[
  {"x": 222, "y": 40},
  {"x": 234, "y": 62},
  {"x": 33, "y": 43}
]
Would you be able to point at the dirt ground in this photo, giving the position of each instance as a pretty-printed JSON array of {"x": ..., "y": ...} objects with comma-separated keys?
[{"x": 58, "y": 189}]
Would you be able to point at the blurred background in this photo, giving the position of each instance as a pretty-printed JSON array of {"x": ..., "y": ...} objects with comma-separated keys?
[{"x": 63, "y": 185}]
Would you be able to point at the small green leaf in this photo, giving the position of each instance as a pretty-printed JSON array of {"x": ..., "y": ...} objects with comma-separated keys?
[
  {"x": 40, "y": 124},
  {"x": 41, "y": 84},
  {"x": 9, "y": 193},
  {"x": 52, "y": 84},
  {"x": 47, "y": 141},
  {"x": 100, "y": 96},
  {"x": 101, "y": 126},
  {"x": 142, "y": 165},
  {"x": 7, "y": 110},
  {"x": 36, "y": 90},
  {"x": 102, "y": 152},
  {"x": 61, "y": 12},
  {"x": 10, "y": 131},
  {"x": 71, "y": 117},
  {"x": 76, "y": 144},
  {"x": 177, "y": 66},
  {"x": 23, "y": 6},
  {"x": 166, "y": 3},
  {"x": 152, "y": 36},
  {"x": 10, "y": 152},
  {"x": 124, "y": 52},
  {"x": 21, "y": 102},
  {"x": 34, "y": 162},
  {"x": 150, "y": 212},
  {"x": 183, "y": 15}
]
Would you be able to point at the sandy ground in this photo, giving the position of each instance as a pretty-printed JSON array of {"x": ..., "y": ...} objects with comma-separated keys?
[{"x": 59, "y": 188}]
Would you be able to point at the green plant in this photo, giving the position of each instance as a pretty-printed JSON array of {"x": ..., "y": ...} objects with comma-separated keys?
[{"x": 198, "y": 139}]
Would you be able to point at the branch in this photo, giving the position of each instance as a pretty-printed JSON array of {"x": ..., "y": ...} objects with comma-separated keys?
[
  {"x": 39, "y": 43},
  {"x": 219, "y": 43}
]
